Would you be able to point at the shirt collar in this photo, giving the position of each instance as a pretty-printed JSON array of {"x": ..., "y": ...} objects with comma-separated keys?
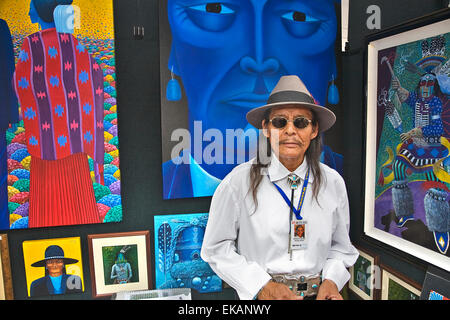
[{"x": 277, "y": 171}]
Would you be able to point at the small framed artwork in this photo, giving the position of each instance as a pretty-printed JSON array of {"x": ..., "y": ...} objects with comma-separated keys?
[
  {"x": 363, "y": 276},
  {"x": 119, "y": 262},
  {"x": 178, "y": 264},
  {"x": 53, "y": 266},
  {"x": 6, "y": 288},
  {"x": 436, "y": 285},
  {"x": 396, "y": 286}
]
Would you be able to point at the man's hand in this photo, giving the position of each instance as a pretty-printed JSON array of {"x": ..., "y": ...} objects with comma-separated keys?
[
  {"x": 277, "y": 291},
  {"x": 416, "y": 132},
  {"x": 328, "y": 291},
  {"x": 402, "y": 93}
]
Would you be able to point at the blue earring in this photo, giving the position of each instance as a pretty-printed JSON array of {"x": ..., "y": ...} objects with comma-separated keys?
[
  {"x": 333, "y": 93},
  {"x": 173, "y": 90}
]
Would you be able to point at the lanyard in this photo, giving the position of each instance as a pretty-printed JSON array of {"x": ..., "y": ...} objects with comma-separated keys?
[{"x": 300, "y": 201}]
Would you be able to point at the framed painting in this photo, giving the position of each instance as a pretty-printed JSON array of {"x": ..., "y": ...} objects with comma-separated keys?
[
  {"x": 215, "y": 66},
  {"x": 6, "y": 288},
  {"x": 395, "y": 286},
  {"x": 119, "y": 262},
  {"x": 363, "y": 276},
  {"x": 436, "y": 285},
  {"x": 407, "y": 165},
  {"x": 62, "y": 114},
  {"x": 53, "y": 266},
  {"x": 178, "y": 242}
]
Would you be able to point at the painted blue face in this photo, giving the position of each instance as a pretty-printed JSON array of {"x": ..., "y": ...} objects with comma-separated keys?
[
  {"x": 231, "y": 54},
  {"x": 35, "y": 18},
  {"x": 427, "y": 85}
]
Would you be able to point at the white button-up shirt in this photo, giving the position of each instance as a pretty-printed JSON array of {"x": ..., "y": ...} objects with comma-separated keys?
[{"x": 244, "y": 246}]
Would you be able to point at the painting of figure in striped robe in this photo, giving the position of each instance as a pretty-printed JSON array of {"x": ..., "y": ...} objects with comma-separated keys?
[{"x": 63, "y": 164}]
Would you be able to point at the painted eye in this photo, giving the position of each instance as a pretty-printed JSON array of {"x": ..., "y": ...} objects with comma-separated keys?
[
  {"x": 214, "y": 7},
  {"x": 213, "y": 16},
  {"x": 298, "y": 16},
  {"x": 300, "y": 24}
]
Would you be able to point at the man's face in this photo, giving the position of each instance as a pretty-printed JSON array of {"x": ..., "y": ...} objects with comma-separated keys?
[
  {"x": 427, "y": 85},
  {"x": 290, "y": 143},
  {"x": 55, "y": 267},
  {"x": 231, "y": 54}
]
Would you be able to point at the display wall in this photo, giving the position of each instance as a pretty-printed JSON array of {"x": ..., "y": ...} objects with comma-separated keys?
[
  {"x": 139, "y": 97},
  {"x": 354, "y": 62}
]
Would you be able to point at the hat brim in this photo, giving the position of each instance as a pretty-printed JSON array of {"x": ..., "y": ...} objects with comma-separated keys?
[
  {"x": 41, "y": 263},
  {"x": 325, "y": 117}
]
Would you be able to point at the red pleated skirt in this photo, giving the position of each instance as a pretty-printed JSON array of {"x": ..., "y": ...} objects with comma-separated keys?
[{"x": 61, "y": 192}]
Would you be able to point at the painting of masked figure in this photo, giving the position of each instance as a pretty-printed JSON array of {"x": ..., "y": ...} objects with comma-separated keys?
[
  {"x": 120, "y": 262},
  {"x": 178, "y": 242},
  {"x": 62, "y": 152},
  {"x": 412, "y": 168},
  {"x": 221, "y": 59}
]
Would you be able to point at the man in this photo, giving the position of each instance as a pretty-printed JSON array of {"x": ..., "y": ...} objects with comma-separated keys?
[
  {"x": 121, "y": 270},
  {"x": 250, "y": 239},
  {"x": 56, "y": 279},
  {"x": 421, "y": 148}
]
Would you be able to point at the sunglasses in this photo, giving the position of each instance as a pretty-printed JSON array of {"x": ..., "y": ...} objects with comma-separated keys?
[{"x": 299, "y": 123}]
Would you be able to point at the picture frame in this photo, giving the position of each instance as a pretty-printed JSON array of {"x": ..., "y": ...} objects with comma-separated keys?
[
  {"x": 395, "y": 159},
  {"x": 436, "y": 285},
  {"x": 53, "y": 266},
  {"x": 91, "y": 160},
  {"x": 178, "y": 243},
  {"x": 396, "y": 286},
  {"x": 6, "y": 287},
  {"x": 119, "y": 262},
  {"x": 363, "y": 275}
]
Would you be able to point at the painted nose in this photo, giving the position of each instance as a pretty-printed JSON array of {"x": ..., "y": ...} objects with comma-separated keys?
[{"x": 267, "y": 67}]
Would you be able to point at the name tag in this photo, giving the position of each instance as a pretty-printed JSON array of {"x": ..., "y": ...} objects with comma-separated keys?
[{"x": 298, "y": 235}]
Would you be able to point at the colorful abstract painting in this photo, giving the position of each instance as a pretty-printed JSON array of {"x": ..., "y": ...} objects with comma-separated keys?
[
  {"x": 413, "y": 151},
  {"x": 63, "y": 153},
  {"x": 178, "y": 242}
]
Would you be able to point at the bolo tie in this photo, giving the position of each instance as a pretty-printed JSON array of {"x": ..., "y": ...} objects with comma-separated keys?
[{"x": 293, "y": 180}]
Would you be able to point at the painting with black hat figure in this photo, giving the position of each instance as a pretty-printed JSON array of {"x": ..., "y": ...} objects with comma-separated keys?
[
  {"x": 53, "y": 266},
  {"x": 59, "y": 143},
  {"x": 178, "y": 242},
  {"x": 409, "y": 128}
]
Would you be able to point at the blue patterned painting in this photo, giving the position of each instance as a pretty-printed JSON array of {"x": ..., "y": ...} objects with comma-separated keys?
[{"x": 178, "y": 242}]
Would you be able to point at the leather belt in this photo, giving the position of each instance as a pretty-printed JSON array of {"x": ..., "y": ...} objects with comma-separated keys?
[{"x": 301, "y": 285}]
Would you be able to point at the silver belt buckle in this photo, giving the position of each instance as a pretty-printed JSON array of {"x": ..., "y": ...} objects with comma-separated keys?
[{"x": 304, "y": 286}]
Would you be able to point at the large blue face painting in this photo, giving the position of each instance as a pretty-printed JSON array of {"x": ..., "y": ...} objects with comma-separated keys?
[
  {"x": 221, "y": 59},
  {"x": 178, "y": 241}
]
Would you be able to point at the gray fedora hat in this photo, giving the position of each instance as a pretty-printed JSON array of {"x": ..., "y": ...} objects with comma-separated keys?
[{"x": 290, "y": 90}]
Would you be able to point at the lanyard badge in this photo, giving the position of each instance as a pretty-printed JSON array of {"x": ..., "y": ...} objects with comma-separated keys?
[{"x": 297, "y": 228}]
